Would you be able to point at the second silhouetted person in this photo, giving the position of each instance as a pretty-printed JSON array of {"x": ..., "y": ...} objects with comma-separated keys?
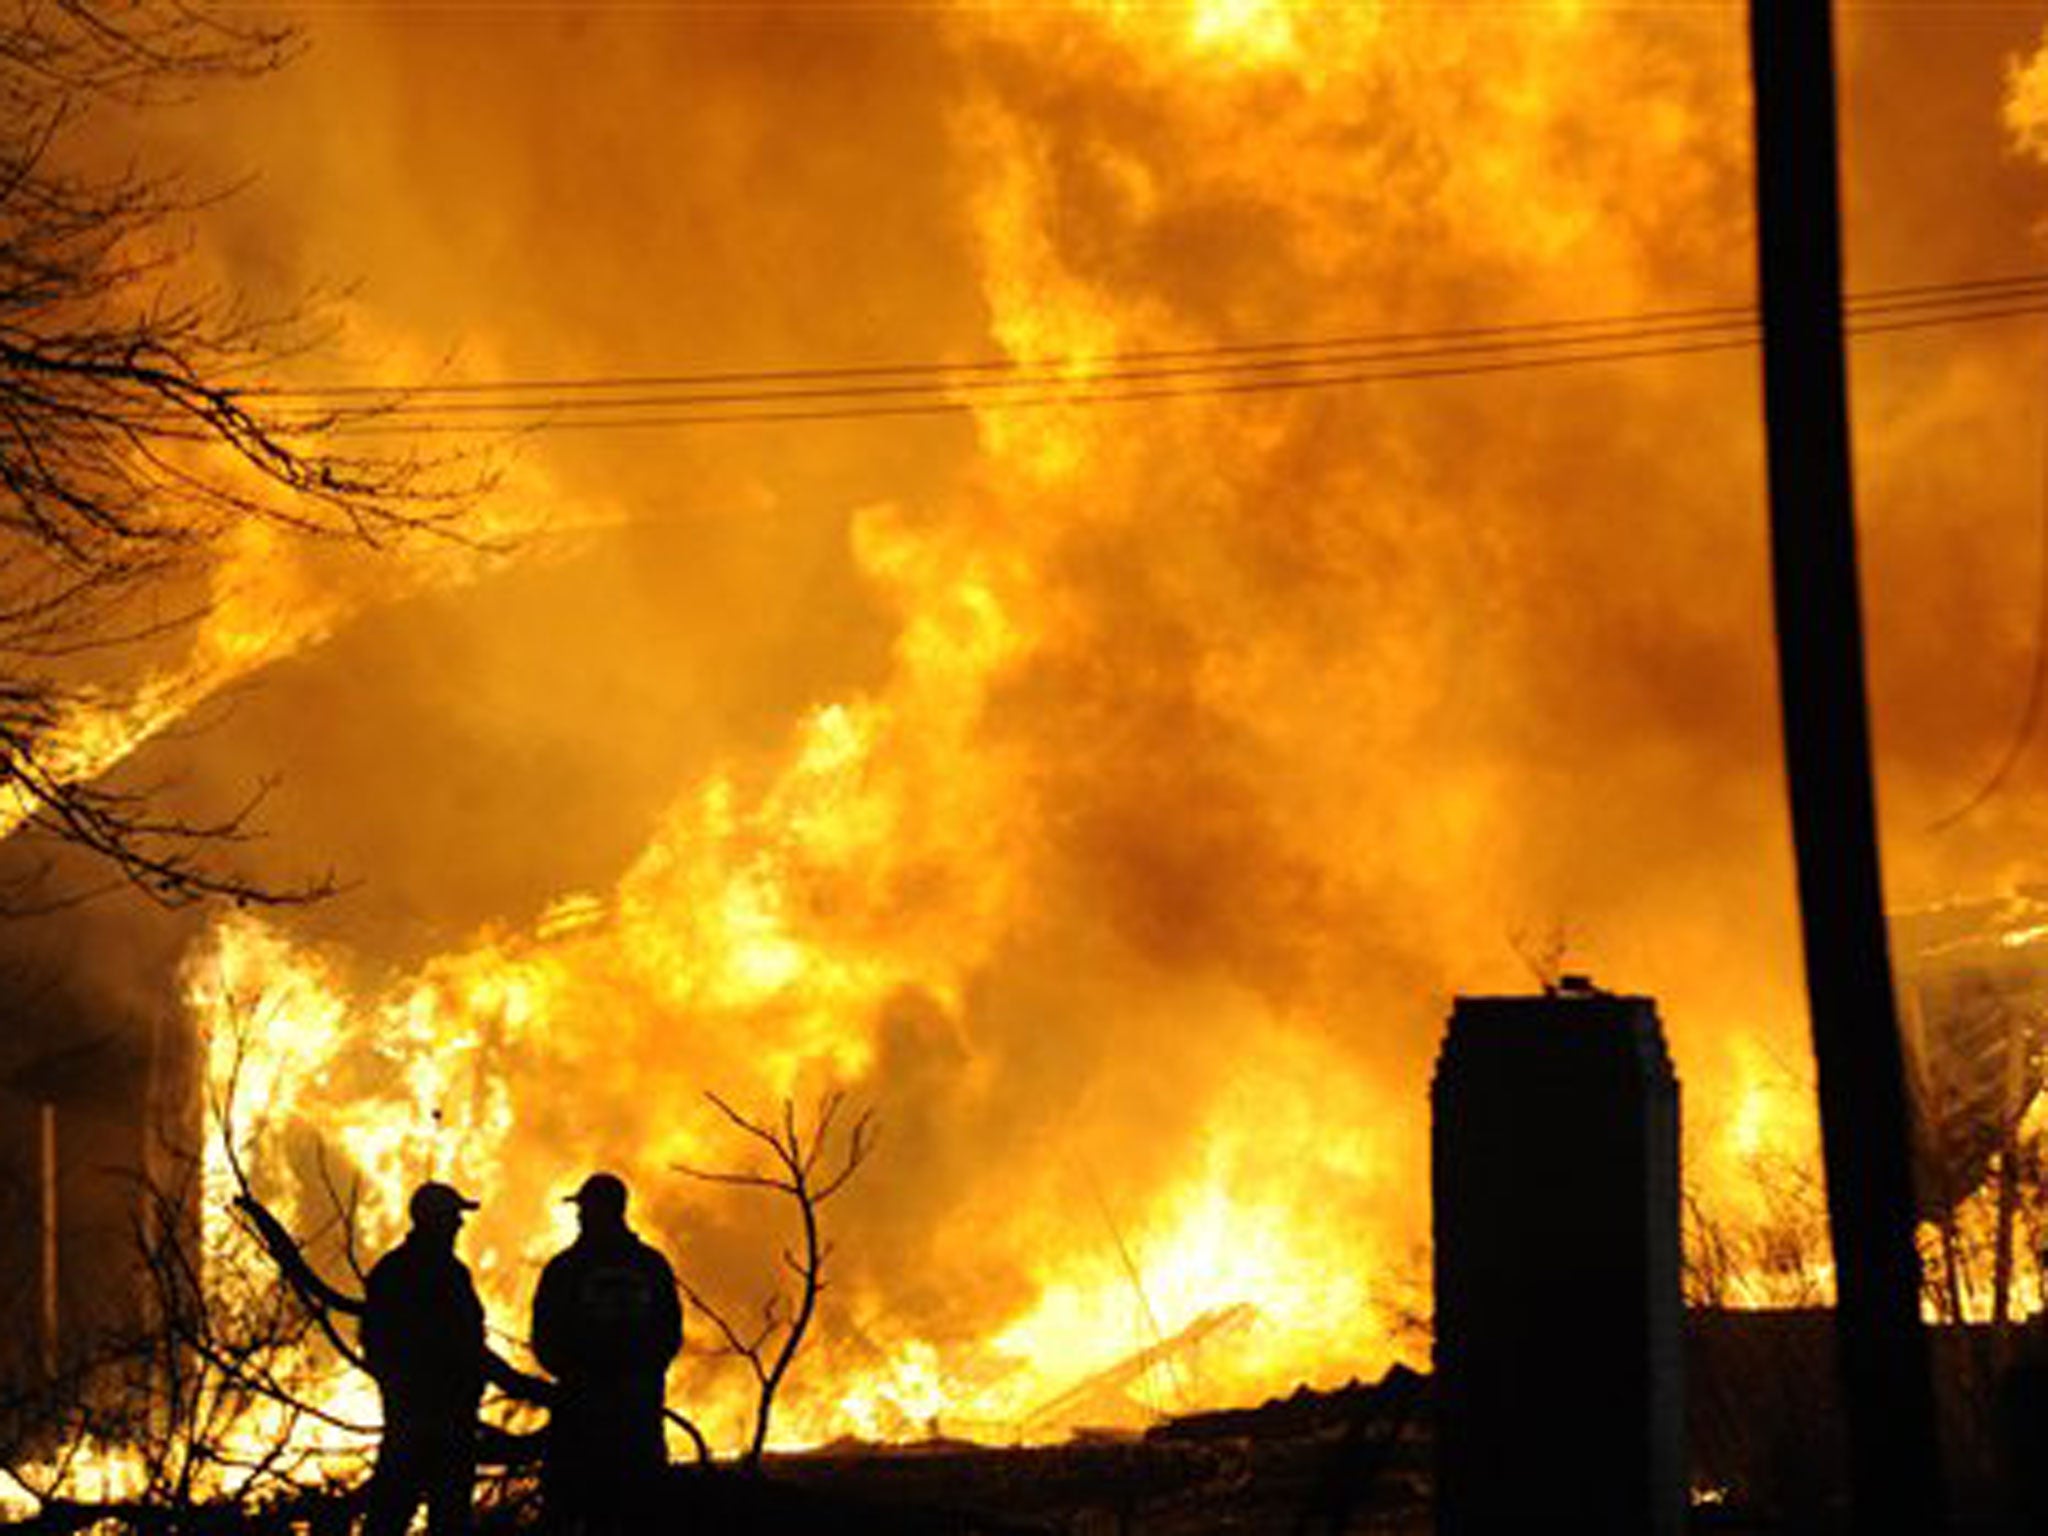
[{"x": 606, "y": 1323}]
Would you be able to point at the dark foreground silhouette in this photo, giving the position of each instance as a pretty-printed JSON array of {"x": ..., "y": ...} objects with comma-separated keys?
[
  {"x": 423, "y": 1339},
  {"x": 606, "y": 1323}
]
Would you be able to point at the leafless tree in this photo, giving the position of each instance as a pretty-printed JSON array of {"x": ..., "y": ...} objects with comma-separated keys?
[
  {"x": 138, "y": 427},
  {"x": 199, "y": 1392},
  {"x": 215, "y": 1391},
  {"x": 809, "y": 1165}
]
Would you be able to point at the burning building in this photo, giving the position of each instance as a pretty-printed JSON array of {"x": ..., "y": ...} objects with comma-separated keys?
[{"x": 1297, "y": 529}]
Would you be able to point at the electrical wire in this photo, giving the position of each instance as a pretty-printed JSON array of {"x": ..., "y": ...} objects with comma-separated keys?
[
  {"x": 1011, "y": 372},
  {"x": 804, "y": 403},
  {"x": 903, "y": 389}
]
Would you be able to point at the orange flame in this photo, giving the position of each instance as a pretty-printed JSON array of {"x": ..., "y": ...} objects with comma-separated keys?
[{"x": 1111, "y": 794}]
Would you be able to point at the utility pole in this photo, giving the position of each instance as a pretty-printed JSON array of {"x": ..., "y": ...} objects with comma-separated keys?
[{"x": 1887, "y": 1389}]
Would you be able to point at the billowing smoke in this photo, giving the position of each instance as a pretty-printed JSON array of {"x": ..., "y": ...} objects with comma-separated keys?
[{"x": 1111, "y": 795}]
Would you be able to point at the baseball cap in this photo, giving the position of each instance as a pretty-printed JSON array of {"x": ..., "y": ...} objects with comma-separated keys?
[
  {"x": 434, "y": 1198},
  {"x": 601, "y": 1190}
]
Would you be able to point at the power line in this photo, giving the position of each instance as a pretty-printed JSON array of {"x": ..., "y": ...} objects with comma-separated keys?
[
  {"x": 938, "y": 388},
  {"x": 1069, "y": 367},
  {"x": 818, "y": 405},
  {"x": 1064, "y": 362}
]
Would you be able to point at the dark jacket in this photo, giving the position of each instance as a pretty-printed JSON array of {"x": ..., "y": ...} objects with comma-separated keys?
[
  {"x": 606, "y": 1313},
  {"x": 423, "y": 1335}
]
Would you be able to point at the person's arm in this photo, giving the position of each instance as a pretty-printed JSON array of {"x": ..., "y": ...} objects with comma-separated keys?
[
  {"x": 546, "y": 1336},
  {"x": 515, "y": 1383},
  {"x": 502, "y": 1373}
]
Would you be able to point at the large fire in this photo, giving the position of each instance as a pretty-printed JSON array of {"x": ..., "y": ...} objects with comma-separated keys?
[{"x": 1109, "y": 795}]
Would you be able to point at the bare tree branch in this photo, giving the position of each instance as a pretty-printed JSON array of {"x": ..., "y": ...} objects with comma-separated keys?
[
  {"x": 140, "y": 428},
  {"x": 770, "y": 1351}
]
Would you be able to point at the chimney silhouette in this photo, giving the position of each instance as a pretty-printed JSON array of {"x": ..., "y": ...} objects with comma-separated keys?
[{"x": 1558, "y": 1309}]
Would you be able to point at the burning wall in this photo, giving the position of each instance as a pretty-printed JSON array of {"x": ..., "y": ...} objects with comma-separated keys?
[{"x": 1112, "y": 795}]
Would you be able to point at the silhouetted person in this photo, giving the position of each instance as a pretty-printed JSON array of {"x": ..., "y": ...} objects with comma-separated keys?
[
  {"x": 606, "y": 1323},
  {"x": 423, "y": 1338}
]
